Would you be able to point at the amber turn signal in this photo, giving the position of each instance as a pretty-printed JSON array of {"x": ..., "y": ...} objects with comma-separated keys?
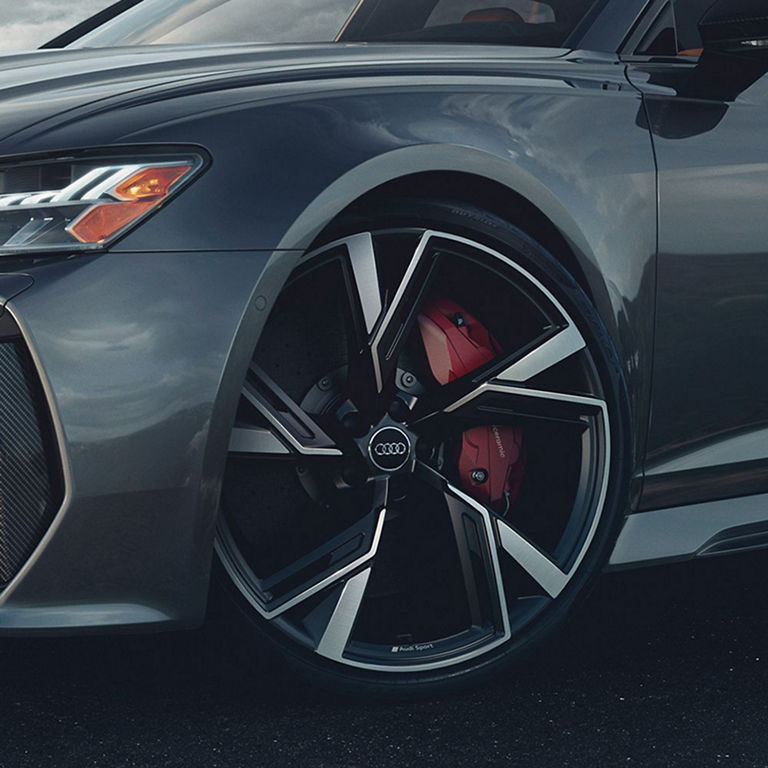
[
  {"x": 151, "y": 184},
  {"x": 139, "y": 194}
]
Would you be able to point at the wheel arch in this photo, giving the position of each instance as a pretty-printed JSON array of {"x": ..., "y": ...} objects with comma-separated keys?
[
  {"x": 467, "y": 175},
  {"x": 488, "y": 195}
]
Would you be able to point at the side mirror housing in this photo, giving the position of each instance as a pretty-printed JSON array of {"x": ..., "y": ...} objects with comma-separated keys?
[{"x": 736, "y": 26}]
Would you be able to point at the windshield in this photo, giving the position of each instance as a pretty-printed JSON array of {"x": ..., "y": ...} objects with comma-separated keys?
[{"x": 171, "y": 22}]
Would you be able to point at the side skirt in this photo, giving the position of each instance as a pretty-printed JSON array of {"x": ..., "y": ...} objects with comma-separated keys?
[{"x": 696, "y": 530}]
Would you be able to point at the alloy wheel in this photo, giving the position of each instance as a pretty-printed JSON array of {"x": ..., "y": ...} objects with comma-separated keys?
[{"x": 394, "y": 505}]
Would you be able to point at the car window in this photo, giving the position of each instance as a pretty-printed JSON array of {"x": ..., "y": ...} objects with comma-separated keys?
[
  {"x": 456, "y": 11},
  {"x": 674, "y": 31},
  {"x": 661, "y": 37},
  {"x": 521, "y": 22},
  {"x": 169, "y": 22}
]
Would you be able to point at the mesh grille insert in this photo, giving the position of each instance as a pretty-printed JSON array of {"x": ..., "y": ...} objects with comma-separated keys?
[{"x": 29, "y": 474}]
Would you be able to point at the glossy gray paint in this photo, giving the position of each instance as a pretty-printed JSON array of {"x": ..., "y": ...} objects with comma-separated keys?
[
  {"x": 143, "y": 349},
  {"x": 707, "y": 439},
  {"x": 138, "y": 381},
  {"x": 709, "y": 410},
  {"x": 694, "y": 530}
]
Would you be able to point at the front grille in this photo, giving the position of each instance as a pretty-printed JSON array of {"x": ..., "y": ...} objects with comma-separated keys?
[{"x": 30, "y": 478}]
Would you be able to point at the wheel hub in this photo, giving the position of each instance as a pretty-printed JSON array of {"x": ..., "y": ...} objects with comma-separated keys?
[{"x": 389, "y": 449}]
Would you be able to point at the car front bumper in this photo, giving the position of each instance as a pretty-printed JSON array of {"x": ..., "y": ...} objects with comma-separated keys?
[{"x": 140, "y": 358}]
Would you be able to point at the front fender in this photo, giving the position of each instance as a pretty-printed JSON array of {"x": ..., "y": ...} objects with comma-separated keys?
[{"x": 144, "y": 349}]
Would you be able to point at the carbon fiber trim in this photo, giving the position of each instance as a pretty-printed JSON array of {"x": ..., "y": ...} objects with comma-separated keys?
[{"x": 29, "y": 469}]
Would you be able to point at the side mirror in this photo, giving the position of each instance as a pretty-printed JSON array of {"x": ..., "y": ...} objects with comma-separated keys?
[{"x": 735, "y": 26}]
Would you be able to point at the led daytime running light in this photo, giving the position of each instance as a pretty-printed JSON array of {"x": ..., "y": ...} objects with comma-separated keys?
[{"x": 92, "y": 209}]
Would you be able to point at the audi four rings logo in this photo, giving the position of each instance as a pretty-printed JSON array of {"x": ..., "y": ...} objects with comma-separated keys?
[{"x": 391, "y": 449}]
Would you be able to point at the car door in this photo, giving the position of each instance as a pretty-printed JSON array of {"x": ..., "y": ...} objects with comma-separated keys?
[{"x": 708, "y": 436}]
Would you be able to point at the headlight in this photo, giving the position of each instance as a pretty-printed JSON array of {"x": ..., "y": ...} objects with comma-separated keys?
[{"x": 84, "y": 203}]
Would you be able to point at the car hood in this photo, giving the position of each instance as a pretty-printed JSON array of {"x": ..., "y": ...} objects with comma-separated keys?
[{"x": 36, "y": 87}]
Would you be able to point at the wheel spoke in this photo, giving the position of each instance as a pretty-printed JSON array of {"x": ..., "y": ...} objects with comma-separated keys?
[
  {"x": 339, "y": 628},
  {"x": 297, "y": 428},
  {"x": 362, "y": 258},
  {"x": 554, "y": 346},
  {"x": 402, "y": 312},
  {"x": 476, "y": 546},
  {"x": 324, "y": 566},
  {"x": 256, "y": 441},
  {"x": 532, "y": 560},
  {"x": 364, "y": 292},
  {"x": 554, "y": 350},
  {"x": 495, "y": 398},
  {"x": 529, "y": 557},
  {"x": 478, "y": 566},
  {"x": 495, "y": 401}
]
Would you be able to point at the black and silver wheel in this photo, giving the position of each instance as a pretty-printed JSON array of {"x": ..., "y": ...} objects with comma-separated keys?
[{"x": 429, "y": 456}]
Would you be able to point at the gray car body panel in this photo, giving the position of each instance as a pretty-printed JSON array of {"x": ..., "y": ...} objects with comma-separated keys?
[
  {"x": 707, "y": 432},
  {"x": 706, "y": 473},
  {"x": 136, "y": 380}
]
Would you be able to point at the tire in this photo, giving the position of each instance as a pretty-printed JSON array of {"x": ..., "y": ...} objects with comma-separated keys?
[{"x": 435, "y": 579}]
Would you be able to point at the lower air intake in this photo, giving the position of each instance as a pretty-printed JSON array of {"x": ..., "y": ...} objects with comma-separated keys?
[{"x": 29, "y": 474}]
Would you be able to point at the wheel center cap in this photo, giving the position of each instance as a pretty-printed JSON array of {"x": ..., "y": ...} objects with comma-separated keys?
[{"x": 389, "y": 449}]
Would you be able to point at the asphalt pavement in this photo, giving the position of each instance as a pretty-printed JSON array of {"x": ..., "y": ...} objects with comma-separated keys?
[{"x": 661, "y": 667}]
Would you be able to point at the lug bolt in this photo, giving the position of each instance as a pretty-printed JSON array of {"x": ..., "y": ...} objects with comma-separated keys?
[
  {"x": 324, "y": 384},
  {"x": 409, "y": 379},
  {"x": 479, "y": 476}
]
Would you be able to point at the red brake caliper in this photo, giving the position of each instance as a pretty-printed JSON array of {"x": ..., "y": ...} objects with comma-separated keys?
[
  {"x": 491, "y": 460},
  {"x": 455, "y": 341},
  {"x": 492, "y": 465}
]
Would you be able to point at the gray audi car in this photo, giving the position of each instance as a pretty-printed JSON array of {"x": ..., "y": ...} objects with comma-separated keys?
[{"x": 385, "y": 326}]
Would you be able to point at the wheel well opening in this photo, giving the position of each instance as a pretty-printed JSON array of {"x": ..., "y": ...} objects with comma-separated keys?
[{"x": 481, "y": 193}]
